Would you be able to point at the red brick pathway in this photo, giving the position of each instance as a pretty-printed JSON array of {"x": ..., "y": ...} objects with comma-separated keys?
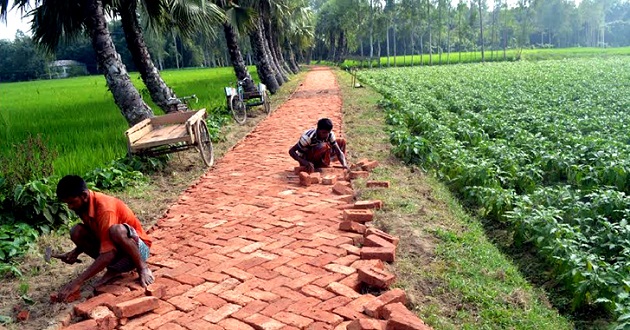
[{"x": 247, "y": 247}]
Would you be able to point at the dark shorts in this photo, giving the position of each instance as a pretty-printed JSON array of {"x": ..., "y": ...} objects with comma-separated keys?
[{"x": 123, "y": 263}]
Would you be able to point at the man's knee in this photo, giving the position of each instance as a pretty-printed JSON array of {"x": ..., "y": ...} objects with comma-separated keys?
[
  {"x": 79, "y": 232},
  {"x": 117, "y": 233}
]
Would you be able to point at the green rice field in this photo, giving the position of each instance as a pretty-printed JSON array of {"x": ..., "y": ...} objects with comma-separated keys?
[{"x": 79, "y": 119}]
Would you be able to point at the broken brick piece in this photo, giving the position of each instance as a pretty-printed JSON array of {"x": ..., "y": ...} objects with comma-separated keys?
[
  {"x": 369, "y": 166},
  {"x": 104, "y": 317},
  {"x": 352, "y": 226},
  {"x": 365, "y": 324},
  {"x": 23, "y": 315},
  {"x": 155, "y": 290},
  {"x": 373, "y": 231},
  {"x": 358, "y": 215},
  {"x": 376, "y": 277},
  {"x": 136, "y": 306},
  {"x": 362, "y": 162},
  {"x": 83, "y": 309},
  {"x": 358, "y": 174},
  {"x": 377, "y": 184},
  {"x": 375, "y": 307},
  {"x": 387, "y": 254},
  {"x": 72, "y": 297},
  {"x": 400, "y": 318},
  {"x": 305, "y": 179},
  {"x": 329, "y": 180},
  {"x": 342, "y": 189},
  {"x": 315, "y": 177},
  {"x": 377, "y": 241},
  {"x": 374, "y": 204}
]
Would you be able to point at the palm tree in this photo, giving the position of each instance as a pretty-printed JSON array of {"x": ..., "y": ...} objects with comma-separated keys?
[{"x": 264, "y": 64}]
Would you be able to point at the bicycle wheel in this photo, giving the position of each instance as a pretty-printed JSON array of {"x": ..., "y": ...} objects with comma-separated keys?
[
  {"x": 266, "y": 103},
  {"x": 204, "y": 143},
  {"x": 238, "y": 108}
]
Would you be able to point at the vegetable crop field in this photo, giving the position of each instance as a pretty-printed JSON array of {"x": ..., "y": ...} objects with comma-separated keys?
[
  {"x": 78, "y": 119},
  {"x": 541, "y": 146}
]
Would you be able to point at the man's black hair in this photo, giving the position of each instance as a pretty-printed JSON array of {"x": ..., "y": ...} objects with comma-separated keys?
[
  {"x": 71, "y": 186},
  {"x": 325, "y": 124}
]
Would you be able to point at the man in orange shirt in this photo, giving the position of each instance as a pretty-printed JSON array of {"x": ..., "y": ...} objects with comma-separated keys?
[{"x": 110, "y": 233}]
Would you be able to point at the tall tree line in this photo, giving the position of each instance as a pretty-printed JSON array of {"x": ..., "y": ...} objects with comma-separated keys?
[{"x": 439, "y": 29}]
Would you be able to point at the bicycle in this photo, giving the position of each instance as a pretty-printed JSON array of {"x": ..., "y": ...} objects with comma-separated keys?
[{"x": 182, "y": 103}]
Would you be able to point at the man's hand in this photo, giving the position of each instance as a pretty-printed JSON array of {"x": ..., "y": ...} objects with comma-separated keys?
[
  {"x": 68, "y": 290},
  {"x": 68, "y": 257}
]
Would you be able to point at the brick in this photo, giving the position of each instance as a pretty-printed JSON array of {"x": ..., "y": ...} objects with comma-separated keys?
[
  {"x": 376, "y": 241},
  {"x": 347, "y": 260},
  {"x": 375, "y": 277},
  {"x": 348, "y": 313},
  {"x": 368, "y": 263},
  {"x": 317, "y": 292},
  {"x": 201, "y": 324},
  {"x": 342, "y": 290},
  {"x": 369, "y": 166},
  {"x": 135, "y": 306},
  {"x": 329, "y": 180},
  {"x": 262, "y": 322},
  {"x": 85, "y": 325},
  {"x": 23, "y": 315},
  {"x": 352, "y": 282},
  {"x": 358, "y": 215},
  {"x": 315, "y": 177},
  {"x": 83, "y": 309},
  {"x": 400, "y": 318},
  {"x": 221, "y": 313},
  {"x": 352, "y": 226},
  {"x": 333, "y": 303},
  {"x": 358, "y": 174},
  {"x": 377, "y": 184},
  {"x": 163, "y": 308},
  {"x": 341, "y": 269},
  {"x": 295, "y": 320},
  {"x": 189, "y": 279},
  {"x": 392, "y": 239},
  {"x": 324, "y": 316},
  {"x": 320, "y": 326},
  {"x": 342, "y": 325},
  {"x": 359, "y": 303},
  {"x": 116, "y": 290},
  {"x": 104, "y": 317},
  {"x": 234, "y": 324},
  {"x": 352, "y": 250},
  {"x": 184, "y": 304},
  {"x": 72, "y": 297},
  {"x": 199, "y": 289},
  {"x": 299, "y": 169},
  {"x": 387, "y": 254},
  {"x": 365, "y": 324},
  {"x": 342, "y": 189},
  {"x": 163, "y": 319},
  {"x": 235, "y": 297},
  {"x": 305, "y": 179},
  {"x": 210, "y": 300},
  {"x": 252, "y": 308},
  {"x": 372, "y": 204},
  {"x": 277, "y": 306},
  {"x": 375, "y": 308},
  {"x": 155, "y": 290},
  {"x": 349, "y": 198},
  {"x": 171, "y": 326}
]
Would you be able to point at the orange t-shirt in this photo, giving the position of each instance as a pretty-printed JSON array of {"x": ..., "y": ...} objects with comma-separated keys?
[{"x": 105, "y": 211}]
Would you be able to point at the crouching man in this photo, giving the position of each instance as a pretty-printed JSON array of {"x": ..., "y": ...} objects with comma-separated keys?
[{"x": 110, "y": 234}]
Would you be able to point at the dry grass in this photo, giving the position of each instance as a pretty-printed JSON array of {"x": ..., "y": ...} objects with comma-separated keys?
[{"x": 149, "y": 201}]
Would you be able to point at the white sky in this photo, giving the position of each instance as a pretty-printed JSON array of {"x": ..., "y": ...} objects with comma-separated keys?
[{"x": 14, "y": 22}]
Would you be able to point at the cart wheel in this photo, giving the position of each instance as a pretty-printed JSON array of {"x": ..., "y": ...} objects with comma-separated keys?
[
  {"x": 238, "y": 108},
  {"x": 204, "y": 143},
  {"x": 266, "y": 102}
]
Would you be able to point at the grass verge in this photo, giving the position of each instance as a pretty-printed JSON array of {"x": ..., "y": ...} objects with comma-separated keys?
[
  {"x": 454, "y": 276},
  {"x": 149, "y": 201}
]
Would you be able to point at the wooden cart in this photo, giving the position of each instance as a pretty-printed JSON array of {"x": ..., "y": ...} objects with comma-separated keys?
[
  {"x": 171, "y": 133},
  {"x": 238, "y": 100}
]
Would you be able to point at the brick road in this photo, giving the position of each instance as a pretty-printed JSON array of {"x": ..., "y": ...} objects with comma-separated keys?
[{"x": 247, "y": 247}]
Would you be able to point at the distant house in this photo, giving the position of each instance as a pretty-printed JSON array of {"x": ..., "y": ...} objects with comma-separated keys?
[{"x": 67, "y": 68}]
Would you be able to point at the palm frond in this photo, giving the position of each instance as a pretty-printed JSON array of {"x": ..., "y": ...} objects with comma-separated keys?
[{"x": 55, "y": 21}]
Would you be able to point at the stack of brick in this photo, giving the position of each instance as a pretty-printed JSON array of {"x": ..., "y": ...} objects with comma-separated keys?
[
  {"x": 114, "y": 306},
  {"x": 327, "y": 176}
]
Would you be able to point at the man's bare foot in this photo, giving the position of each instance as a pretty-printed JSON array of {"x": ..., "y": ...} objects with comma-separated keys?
[
  {"x": 107, "y": 277},
  {"x": 145, "y": 276}
]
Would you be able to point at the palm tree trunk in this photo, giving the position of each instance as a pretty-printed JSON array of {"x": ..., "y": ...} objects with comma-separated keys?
[
  {"x": 272, "y": 49},
  {"x": 240, "y": 70},
  {"x": 263, "y": 65},
  {"x": 126, "y": 96},
  {"x": 159, "y": 91}
]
